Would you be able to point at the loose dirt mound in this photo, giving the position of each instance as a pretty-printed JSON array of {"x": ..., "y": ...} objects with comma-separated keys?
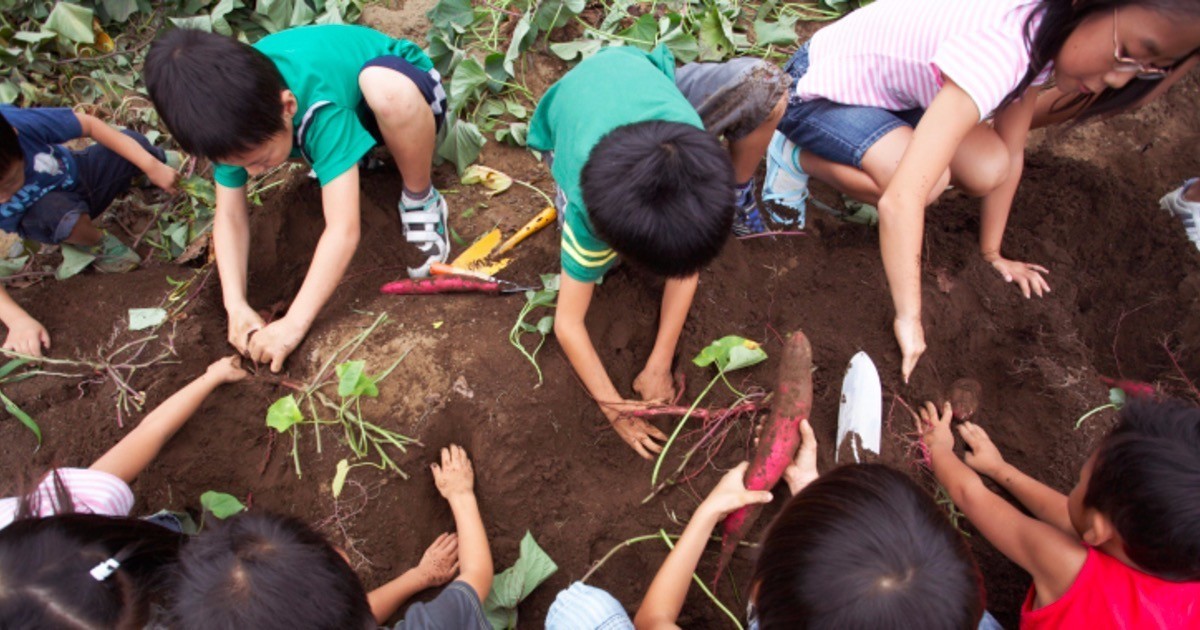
[{"x": 1126, "y": 285}]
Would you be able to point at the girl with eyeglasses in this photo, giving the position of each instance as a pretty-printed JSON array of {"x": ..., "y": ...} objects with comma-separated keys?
[{"x": 903, "y": 98}]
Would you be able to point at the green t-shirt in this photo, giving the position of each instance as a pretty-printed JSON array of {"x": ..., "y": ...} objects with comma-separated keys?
[
  {"x": 321, "y": 64},
  {"x": 615, "y": 87}
]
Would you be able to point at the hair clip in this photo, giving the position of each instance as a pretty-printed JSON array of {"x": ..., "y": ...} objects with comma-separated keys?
[{"x": 102, "y": 571}]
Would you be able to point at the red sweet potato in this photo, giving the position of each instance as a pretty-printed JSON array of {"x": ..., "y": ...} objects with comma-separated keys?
[
  {"x": 777, "y": 442},
  {"x": 1132, "y": 389},
  {"x": 439, "y": 284}
]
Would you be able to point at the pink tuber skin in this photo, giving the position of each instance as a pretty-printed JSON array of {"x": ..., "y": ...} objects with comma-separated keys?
[
  {"x": 1133, "y": 389},
  {"x": 778, "y": 441},
  {"x": 439, "y": 284}
]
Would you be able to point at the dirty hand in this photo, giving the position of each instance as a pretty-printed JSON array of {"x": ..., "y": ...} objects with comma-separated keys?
[
  {"x": 655, "y": 384},
  {"x": 911, "y": 337},
  {"x": 983, "y": 457},
  {"x": 440, "y": 562},
  {"x": 731, "y": 494},
  {"x": 243, "y": 321},
  {"x": 164, "y": 177},
  {"x": 275, "y": 342},
  {"x": 639, "y": 434},
  {"x": 454, "y": 476},
  {"x": 227, "y": 369},
  {"x": 27, "y": 336},
  {"x": 935, "y": 428},
  {"x": 1027, "y": 276},
  {"x": 803, "y": 470}
]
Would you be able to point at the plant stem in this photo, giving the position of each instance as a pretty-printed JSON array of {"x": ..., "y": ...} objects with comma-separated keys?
[
  {"x": 666, "y": 447},
  {"x": 696, "y": 578},
  {"x": 1079, "y": 423}
]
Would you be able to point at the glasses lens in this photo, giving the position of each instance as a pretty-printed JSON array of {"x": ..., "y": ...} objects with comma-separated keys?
[{"x": 1151, "y": 75}]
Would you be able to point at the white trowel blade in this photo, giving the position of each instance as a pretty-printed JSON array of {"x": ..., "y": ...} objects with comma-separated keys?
[{"x": 861, "y": 409}]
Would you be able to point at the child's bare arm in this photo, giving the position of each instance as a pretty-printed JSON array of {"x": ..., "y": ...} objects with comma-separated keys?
[
  {"x": 160, "y": 174},
  {"x": 340, "y": 200},
  {"x": 25, "y": 334},
  {"x": 135, "y": 451},
  {"x": 574, "y": 297},
  {"x": 664, "y": 600},
  {"x": 438, "y": 566},
  {"x": 231, "y": 241},
  {"x": 1047, "y": 504},
  {"x": 1052, "y": 557},
  {"x": 455, "y": 480},
  {"x": 655, "y": 383}
]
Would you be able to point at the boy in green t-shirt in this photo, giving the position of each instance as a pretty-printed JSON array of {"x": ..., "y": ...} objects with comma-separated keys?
[
  {"x": 639, "y": 176},
  {"x": 327, "y": 94}
]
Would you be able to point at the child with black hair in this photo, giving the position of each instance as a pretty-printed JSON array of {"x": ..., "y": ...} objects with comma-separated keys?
[
  {"x": 51, "y": 194},
  {"x": 326, "y": 94},
  {"x": 1122, "y": 550},
  {"x": 265, "y": 571},
  {"x": 639, "y": 176}
]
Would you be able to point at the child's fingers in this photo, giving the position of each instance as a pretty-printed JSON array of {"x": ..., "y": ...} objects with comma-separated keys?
[{"x": 808, "y": 439}]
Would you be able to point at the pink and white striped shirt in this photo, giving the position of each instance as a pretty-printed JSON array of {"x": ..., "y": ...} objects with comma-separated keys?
[
  {"x": 92, "y": 492},
  {"x": 892, "y": 54}
]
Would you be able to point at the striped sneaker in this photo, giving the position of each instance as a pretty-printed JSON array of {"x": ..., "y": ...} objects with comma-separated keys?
[{"x": 1187, "y": 211}]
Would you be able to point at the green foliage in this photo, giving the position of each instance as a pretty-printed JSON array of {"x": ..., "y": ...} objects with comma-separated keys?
[
  {"x": 284, "y": 413},
  {"x": 533, "y": 300},
  {"x": 221, "y": 505},
  {"x": 731, "y": 353},
  {"x": 514, "y": 584}
]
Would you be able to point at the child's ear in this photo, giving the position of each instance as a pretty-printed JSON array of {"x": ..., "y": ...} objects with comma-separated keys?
[
  {"x": 1098, "y": 529},
  {"x": 289, "y": 104}
]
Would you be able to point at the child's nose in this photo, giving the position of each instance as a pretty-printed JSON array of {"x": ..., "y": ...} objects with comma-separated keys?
[{"x": 1117, "y": 79}]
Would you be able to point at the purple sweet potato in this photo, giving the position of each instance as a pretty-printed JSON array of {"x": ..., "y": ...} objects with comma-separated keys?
[{"x": 777, "y": 442}]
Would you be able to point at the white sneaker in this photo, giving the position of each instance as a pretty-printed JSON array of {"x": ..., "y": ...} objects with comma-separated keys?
[
  {"x": 1187, "y": 211},
  {"x": 786, "y": 185},
  {"x": 425, "y": 227}
]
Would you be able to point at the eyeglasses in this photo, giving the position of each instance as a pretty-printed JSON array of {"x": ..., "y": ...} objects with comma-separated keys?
[{"x": 1128, "y": 64}]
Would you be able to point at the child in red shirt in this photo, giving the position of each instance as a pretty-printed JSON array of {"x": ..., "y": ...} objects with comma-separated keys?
[{"x": 1122, "y": 550}]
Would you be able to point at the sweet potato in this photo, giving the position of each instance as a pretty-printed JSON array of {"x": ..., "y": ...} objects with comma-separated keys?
[
  {"x": 777, "y": 442},
  {"x": 439, "y": 284},
  {"x": 1132, "y": 389}
]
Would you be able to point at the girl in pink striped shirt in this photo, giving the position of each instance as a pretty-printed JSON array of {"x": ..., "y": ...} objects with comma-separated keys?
[{"x": 902, "y": 98}]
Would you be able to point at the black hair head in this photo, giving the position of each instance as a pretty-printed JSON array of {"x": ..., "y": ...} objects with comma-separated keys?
[
  {"x": 10, "y": 147},
  {"x": 267, "y": 571},
  {"x": 46, "y": 564},
  {"x": 864, "y": 547},
  {"x": 1059, "y": 18},
  {"x": 217, "y": 96},
  {"x": 661, "y": 194},
  {"x": 1145, "y": 480}
]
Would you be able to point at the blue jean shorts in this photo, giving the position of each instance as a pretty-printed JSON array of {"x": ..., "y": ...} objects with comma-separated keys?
[{"x": 837, "y": 132}]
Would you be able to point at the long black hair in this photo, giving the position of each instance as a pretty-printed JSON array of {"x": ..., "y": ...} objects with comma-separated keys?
[{"x": 1059, "y": 18}]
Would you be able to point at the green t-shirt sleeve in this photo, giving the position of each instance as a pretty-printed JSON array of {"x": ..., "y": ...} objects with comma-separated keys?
[
  {"x": 662, "y": 59},
  {"x": 541, "y": 133},
  {"x": 335, "y": 141},
  {"x": 230, "y": 176},
  {"x": 584, "y": 256}
]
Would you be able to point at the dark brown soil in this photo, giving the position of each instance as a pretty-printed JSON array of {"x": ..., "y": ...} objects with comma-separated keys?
[{"x": 1126, "y": 286}]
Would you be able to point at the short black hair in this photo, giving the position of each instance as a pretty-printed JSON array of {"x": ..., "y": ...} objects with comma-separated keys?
[
  {"x": 217, "y": 96},
  {"x": 261, "y": 570},
  {"x": 864, "y": 547},
  {"x": 1145, "y": 479},
  {"x": 10, "y": 147},
  {"x": 661, "y": 194}
]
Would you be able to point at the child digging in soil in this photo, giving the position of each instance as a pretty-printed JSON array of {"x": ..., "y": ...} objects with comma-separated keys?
[
  {"x": 895, "y": 131},
  {"x": 1122, "y": 550},
  {"x": 639, "y": 177},
  {"x": 264, "y": 571},
  {"x": 327, "y": 94},
  {"x": 51, "y": 194}
]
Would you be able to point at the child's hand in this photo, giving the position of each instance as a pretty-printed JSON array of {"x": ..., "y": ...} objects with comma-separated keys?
[
  {"x": 227, "y": 370},
  {"x": 1027, "y": 276},
  {"x": 984, "y": 457},
  {"x": 911, "y": 337},
  {"x": 243, "y": 321},
  {"x": 803, "y": 470},
  {"x": 731, "y": 494},
  {"x": 655, "y": 384},
  {"x": 639, "y": 434},
  {"x": 440, "y": 562},
  {"x": 454, "y": 476},
  {"x": 27, "y": 336},
  {"x": 164, "y": 177},
  {"x": 274, "y": 342},
  {"x": 935, "y": 429}
]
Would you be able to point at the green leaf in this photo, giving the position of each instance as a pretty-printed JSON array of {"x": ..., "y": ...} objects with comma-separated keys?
[
  {"x": 301, "y": 14},
  {"x": 9, "y": 92},
  {"x": 457, "y": 15},
  {"x": 466, "y": 83},
  {"x": 523, "y": 36},
  {"x": 277, "y": 11},
  {"x": 462, "y": 144},
  {"x": 73, "y": 22},
  {"x": 20, "y": 414},
  {"x": 514, "y": 584},
  {"x": 781, "y": 33},
  {"x": 551, "y": 281},
  {"x": 10, "y": 266},
  {"x": 339, "y": 477},
  {"x": 199, "y": 23},
  {"x": 515, "y": 133},
  {"x": 678, "y": 39},
  {"x": 284, "y": 413},
  {"x": 552, "y": 14},
  {"x": 714, "y": 44},
  {"x": 643, "y": 33},
  {"x": 545, "y": 325},
  {"x": 516, "y": 109},
  {"x": 33, "y": 38},
  {"x": 731, "y": 353},
  {"x": 1116, "y": 396},
  {"x": 493, "y": 65},
  {"x": 74, "y": 261},
  {"x": 445, "y": 55},
  {"x": 221, "y": 505},
  {"x": 143, "y": 318},
  {"x": 224, "y": 8},
  {"x": 120, "y": 10},
  {"x": 354, "y": 381},
  {"x": 582, "y": 48},
  {"x": 744, "y": 356}
]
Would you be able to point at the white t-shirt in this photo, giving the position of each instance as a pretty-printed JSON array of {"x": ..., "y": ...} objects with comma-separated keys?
[{"x": 92, "y": 492}]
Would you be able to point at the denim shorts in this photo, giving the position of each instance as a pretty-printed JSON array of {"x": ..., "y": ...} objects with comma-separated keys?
[{"x": 837, "y": 132}]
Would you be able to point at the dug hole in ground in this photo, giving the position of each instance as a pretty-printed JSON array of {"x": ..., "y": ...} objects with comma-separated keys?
[{"x": 1126, "y": 285}]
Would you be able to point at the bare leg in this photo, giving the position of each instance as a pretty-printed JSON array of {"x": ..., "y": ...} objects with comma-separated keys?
[
  {"x": 878, "y": 165},
  {"x": 981, "y": 162},
  {"x": 405, "y": 121},
  {"x": 747, "y": 152},
  {"x": 85, "y": 233}
]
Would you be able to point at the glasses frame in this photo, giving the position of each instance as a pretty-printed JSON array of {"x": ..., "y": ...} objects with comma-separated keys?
[{"x": 1128, "y": 64}]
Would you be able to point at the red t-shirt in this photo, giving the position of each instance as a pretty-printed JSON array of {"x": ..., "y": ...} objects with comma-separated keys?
[{"x": 1108, "y": 594}]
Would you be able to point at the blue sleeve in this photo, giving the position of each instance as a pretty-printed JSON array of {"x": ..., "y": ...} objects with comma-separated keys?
[{"x": 52, "y": 125}]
